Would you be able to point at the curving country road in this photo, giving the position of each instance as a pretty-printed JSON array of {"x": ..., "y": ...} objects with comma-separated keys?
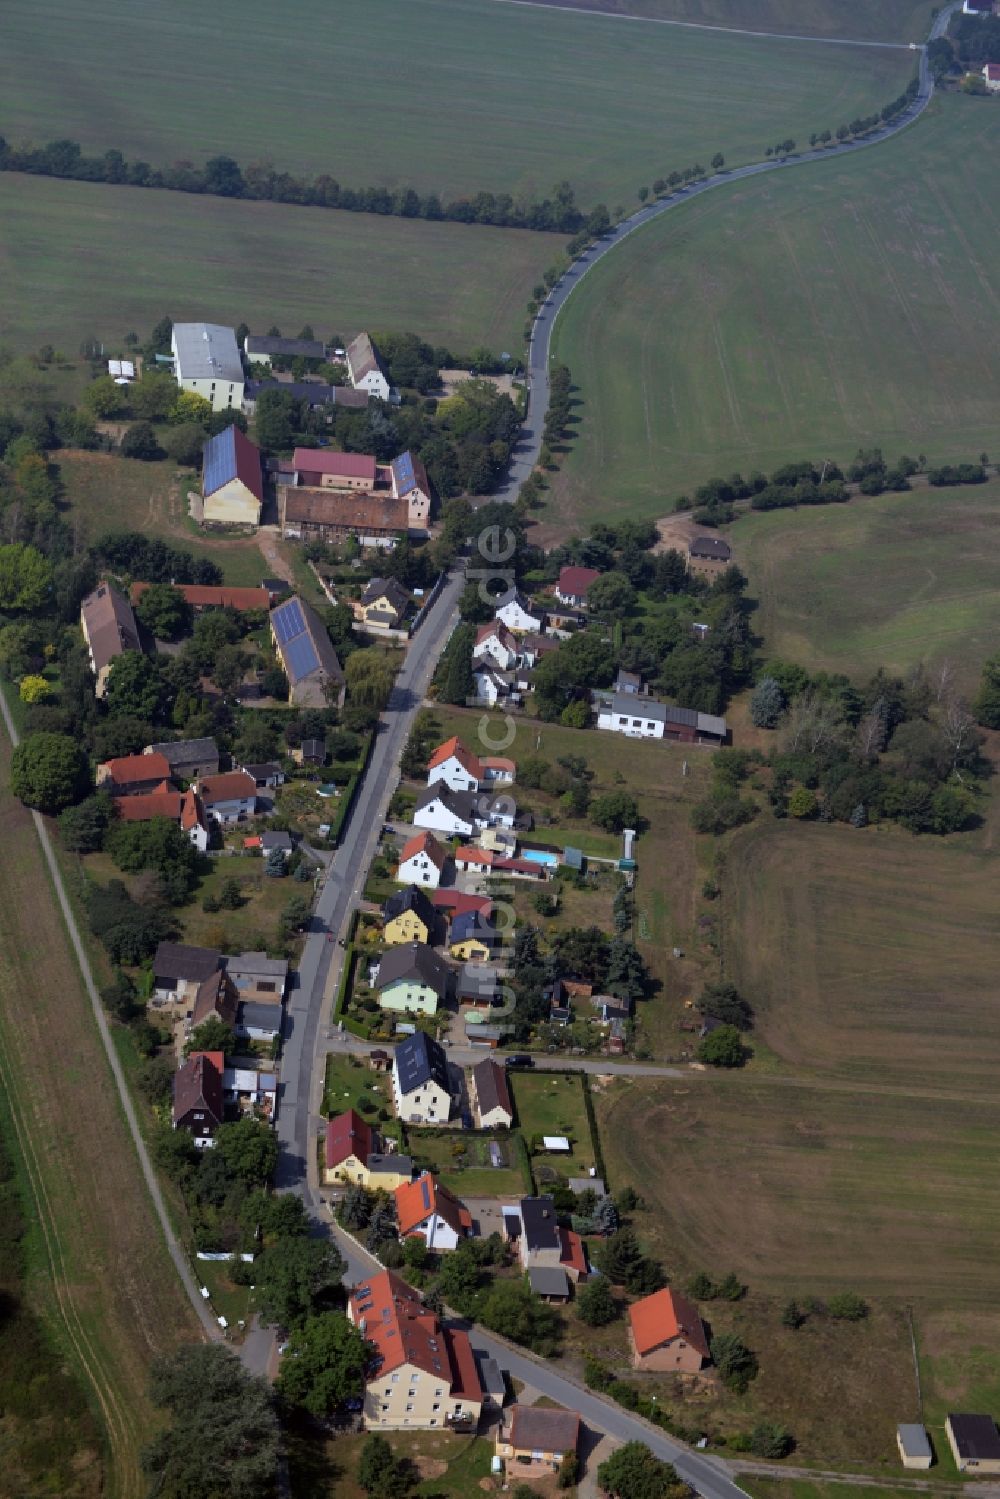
[{"x": 308, "y": 1033}]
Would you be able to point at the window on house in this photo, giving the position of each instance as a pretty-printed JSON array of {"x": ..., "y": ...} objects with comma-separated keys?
[
  {"x": 409, "y": 1407},
  {"x": 395, "y": 1379}
]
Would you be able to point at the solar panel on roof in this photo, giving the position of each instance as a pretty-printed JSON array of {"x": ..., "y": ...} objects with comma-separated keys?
[
  {"x": 425, "y": 1193},
  {"x": 288, "y": 621},
  {"x": 300, "y": 657},
  {"x": 405, "y": 476}
]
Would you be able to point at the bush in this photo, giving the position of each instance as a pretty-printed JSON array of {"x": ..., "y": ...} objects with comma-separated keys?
[
  {"x": 768, "y": 1439},
  {"x": 847, "y": 1306},
  {"x": 722, "y": 1047},
  {"x": 736, "y": 1364}
]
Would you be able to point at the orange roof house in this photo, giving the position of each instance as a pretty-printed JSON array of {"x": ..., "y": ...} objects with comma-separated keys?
[
  {"x": 425, "y": 1209},
  {"x": 405, "y": 1335},
  {"x": 666, "y": 1333},
  {"x": 456, "y": 765}
]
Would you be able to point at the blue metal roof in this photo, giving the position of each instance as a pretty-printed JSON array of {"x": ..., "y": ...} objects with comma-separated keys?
[
  {"x": 287, "y": 621},
  {"x": 300, "y": 658},
  {"x": 402, "y": 468},
  {"x": 219, "y": 460}
]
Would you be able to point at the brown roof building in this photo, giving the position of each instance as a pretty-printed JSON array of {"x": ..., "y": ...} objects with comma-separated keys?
[
  {"x": 133, "y": 775},
  {"x": 109, "y": 629},
  {"x": 325, "y": 515},
  {"x": 198, "y": 1102},
  {"x": 491, "y": 1095},
  {"x": 537, "y": 1439},
  {"x": 201, "y": 596}
]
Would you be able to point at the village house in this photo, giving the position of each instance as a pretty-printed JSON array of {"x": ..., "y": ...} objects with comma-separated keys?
[
  {"x": 646, "y": 718},
  {"x": 472, "y": 938},
  {"x": 232, "y": 485},
  {"x": 445, "y": 811},
  {"x": 490, "y": 685},
  {"x": 550, "y": 1283},
  {"x": 425, "y": 1209},
  {"x": 215, "y": 996},
  {"x": 207, "y": 362},
  {"x": 410, "y": 483},
  {"x": 261, "y": 348},
  {"x": 420, "y": 1087},
  {"x": 133, "y": 775},
  {"x": 353, "y": 1154},
  {"x": 318, "y": 396},
  {"x": 408, "y": 916},
  {"x": 374, "y": 520},
  {"x": 187, "y": 759},
  {"x": 230, "y": 797},
  {"x": 326, "y": 468},
  {"x": 199, "y": 1107},
  {"x": 308, "y": 659},
  {"x": 534, "y": 647},
  {"x": 489, "y": 1094},
  {"x": 574, "y": 584},
  {"x": 412, "y": 979},
  {"x": 708, "y": 555},
  {"x": 518, "y": 613},
  {"x": 665, "y": 1333},
  {"x": 991, "y": 77},
  {"x": 496, "y": 646},
  {"x": 421, "y": 862},
  {"x": 179, "y": 970},
  {"x": 383, "y": 605},
  {"x": 366, "y": 370},
  {"x": 542, "y": 1240},
  {"x": 476, "y": 984},
  {"x": 425, "y": 1374},
  {"x": 533, "y": 1440},
  {"x": 257, "y": 978},
  {"x": 974, "y": 1443},
  {"x": 109, "y": 628},
  {"x": 456, "y": 766}
]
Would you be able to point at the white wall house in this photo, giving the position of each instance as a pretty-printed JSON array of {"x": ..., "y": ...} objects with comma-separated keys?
[
  {"x": 364, "y": 365},
  {"x": 421, "y": 862},
  {"x": 456, "y": 766},
  {"x": 518, "y": 613},
  {"x": 491, "y": 687},
  {"x": 639, "y": 719},
  {"x": 445, "y": 811},
  {"x": 207, "y": 362},
  {"x": 496, "y": 646}
]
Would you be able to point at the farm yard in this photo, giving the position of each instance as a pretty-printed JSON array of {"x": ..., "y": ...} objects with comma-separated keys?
[
  {"x": 82, "y": 260},
  {"x": 888, "y": 21},
  {"x": 892, "y": 580},
  {"x": 516, "y": 78},
  {"x": 808, "y": 314}
]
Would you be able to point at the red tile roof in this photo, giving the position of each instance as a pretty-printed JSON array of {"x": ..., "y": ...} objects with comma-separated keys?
[
  {"x": 192, "y": 811},
  {"x": 130, "y": 769},
  {"x": 457, "y": 901},
  {"x": 201, "y": 596},
  {"x": 573, "y": 1253},
  {"x": 575, "y": 581},
  {"x": 416, "y": 1201},
  {"x": 232, "y": 785},
  {"x": 664, "y": 1316},
  {"x": 424, "y": 843},
  {"x": 473, "y": 855},
  {"x": 454, "y": 747},
  {"x": 163, "y": 803},
  {"x": 499, "y": 629},
  {"x": 465, "y": 1381},
  {"x": 348, "y": 1135},
  {"x": 391, "y": 1315},
  {"x": 198, "y": 1084},
  {"x": 341, "y": 465}
]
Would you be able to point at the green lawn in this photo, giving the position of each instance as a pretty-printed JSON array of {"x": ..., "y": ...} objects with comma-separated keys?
[
  {"x": 797, "y": 316},
  {"x": 105, "y": 492},
  {"x": 345, "y": 1084},
  {"x": 886, "y": 20},
  {"x": 450, "y": 96},
  {"x": 889, "y": 581},
  {"x": 552, "y": 1104},
  {"x": 80, "y": 260},
  {"x": 462, "y": 1160}
]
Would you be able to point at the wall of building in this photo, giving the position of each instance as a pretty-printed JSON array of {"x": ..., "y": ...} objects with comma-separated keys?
[{"x": 232, "y": 505}]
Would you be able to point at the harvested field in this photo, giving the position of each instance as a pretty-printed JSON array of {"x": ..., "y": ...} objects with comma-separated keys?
[
  {"x": 99, "y": 1271},
  {"x": 888, "y": 20},
  {"x": 869, "y": 955}
]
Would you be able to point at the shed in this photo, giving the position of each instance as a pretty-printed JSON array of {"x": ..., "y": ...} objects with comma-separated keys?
[
  {"x": 572, "y": 858},
  {"x": 557, "y": 1143},
  {"x": 914, "y": 1445},
  {"x": 550, "y": 1282}
]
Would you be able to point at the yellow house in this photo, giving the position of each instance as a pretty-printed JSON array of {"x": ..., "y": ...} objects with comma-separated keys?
[
  {"x": 349, "y": 1143},
  {"x": 471, "y": 950},
  {"x": 533, "y": 1442},
  {"x": 384, "y": 604},
  {"x": 409, "y": 917},
  {"x": 232, "y": 487}
]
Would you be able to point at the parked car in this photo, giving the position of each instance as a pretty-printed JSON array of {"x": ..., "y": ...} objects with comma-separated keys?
[{"x": 519, "y": 1059}]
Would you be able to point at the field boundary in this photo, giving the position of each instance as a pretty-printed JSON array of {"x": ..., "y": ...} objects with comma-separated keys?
[{"x": 174, "y": 1247}]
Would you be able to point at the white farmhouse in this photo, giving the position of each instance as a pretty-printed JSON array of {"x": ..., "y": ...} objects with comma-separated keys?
[
  {"x": 364, "y": 365},
  {"x": 496, "y": 646},
  {"x": 207, "y": 362},
  {"x": 518, "y": 613},
  {"x": 421, "y": 862}
]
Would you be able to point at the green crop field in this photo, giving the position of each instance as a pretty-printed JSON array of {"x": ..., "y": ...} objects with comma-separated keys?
[
  {"x": 453, "y": 96},
  {"x": 862, "y": 20},
  {"x": 826, "y": 307},
  {"x": 889, "y": 581},
  {"x": 80, "y": 260}
]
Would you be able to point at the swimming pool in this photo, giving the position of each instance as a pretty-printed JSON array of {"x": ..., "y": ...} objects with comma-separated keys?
[{"x": 540, "y": 856}]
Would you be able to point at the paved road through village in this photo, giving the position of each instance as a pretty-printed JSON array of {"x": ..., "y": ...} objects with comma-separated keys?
[{"x": 307, "y": 1040}]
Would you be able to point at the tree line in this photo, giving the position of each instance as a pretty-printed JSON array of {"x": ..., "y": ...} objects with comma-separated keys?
[{"x": 223, "y": 177}]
